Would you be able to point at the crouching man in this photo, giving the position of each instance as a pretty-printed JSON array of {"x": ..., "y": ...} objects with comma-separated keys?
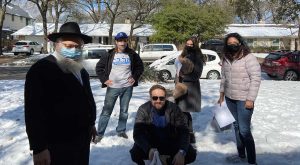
[{"x": 161, "y": 126}]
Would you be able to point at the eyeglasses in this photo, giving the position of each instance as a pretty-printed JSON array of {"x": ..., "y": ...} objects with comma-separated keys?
[
  {"x": 161, "y": 98},
  {"x": 69, "y": 46},
  {"x": 122, "y": 40}
]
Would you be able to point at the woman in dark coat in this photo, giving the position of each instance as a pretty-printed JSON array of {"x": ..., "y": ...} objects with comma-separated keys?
[{"x": 187, "y": 93}]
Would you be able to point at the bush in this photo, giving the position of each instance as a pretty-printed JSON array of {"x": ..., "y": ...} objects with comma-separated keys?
[
  {"x": 149, "y": 74},
  {"x": 262, "y": 49}
]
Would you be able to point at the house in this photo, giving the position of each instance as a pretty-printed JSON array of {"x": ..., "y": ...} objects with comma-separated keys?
[
  {"x": 276, "y": 36},
  {"x": 99, "y": 32},
  {"x": 15, "y": 19}
]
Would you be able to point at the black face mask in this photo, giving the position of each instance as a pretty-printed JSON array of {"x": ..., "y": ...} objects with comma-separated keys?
[
  {"x": 233, "y": 48},
  {"x": 189, "y": 48}
]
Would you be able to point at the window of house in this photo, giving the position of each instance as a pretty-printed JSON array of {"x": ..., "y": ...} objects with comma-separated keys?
[
  {"x": 21, "y": 18},
  {"x": 12, "y": 18},
  {"x": 27, "y": 21},
  {"x": 275, "y": 42},
  {"x": 250, "y": 42}
]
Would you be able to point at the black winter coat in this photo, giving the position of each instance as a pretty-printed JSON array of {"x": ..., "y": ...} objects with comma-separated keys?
[
  {"x": 103, "y": 67},
  {"x": 176, "y": 128},
  {"x": 58, "y": 109}
]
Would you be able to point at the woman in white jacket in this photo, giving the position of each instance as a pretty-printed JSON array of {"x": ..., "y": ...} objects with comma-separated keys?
[{"x": 241, "y": 76}]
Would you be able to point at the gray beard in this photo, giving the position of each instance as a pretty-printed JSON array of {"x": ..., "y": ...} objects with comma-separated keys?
[{"x": 68, "y": 65}]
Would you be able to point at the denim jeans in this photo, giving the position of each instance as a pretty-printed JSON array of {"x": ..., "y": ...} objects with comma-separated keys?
[
  {"x": 244, "y": 138},
  {"x": 111, "y": 97}
]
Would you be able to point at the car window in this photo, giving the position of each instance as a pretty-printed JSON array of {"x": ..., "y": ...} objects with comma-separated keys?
[
  {"x": 147, "y": 48},
  {"x": 96, "y": 54},
  {"x": 171, "y": 62},
  {"x": 168, "y": 48},
  {"x": 274, "y": 56},
  {"x": 157, "y": 48},
  {"x": 210, "y": 57},
  {"x": 31, "y": 43},
  {"x": 294, "y": 57},
  {"x": 21, "y": 43}
]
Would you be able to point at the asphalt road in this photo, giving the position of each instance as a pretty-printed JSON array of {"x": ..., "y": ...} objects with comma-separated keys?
[{"x": 13, "y": 73}]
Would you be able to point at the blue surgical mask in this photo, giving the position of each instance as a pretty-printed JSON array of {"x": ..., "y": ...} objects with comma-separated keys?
[{"x": 72, "y": 53}]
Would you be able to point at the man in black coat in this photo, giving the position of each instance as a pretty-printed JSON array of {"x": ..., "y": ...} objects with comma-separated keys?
[
  {"x": 60, "y": 110},
  {"x": 161, "y": 126}
]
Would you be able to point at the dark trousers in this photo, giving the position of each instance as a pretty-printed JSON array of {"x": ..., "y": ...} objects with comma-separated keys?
[
  {"x": 72, "y": 152},
  {"x": 138, "y": 155}
]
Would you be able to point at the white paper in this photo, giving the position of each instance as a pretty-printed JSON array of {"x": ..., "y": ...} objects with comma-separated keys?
[
  {"x": 223, "y": 115},
  {"x": 155, "y": 160}
]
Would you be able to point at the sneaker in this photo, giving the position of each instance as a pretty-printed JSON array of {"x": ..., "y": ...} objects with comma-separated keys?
[
  {"x": 98, "y": 138},
  {"x": 123, "y": 135},
  {"x": 236, "y": 159}
]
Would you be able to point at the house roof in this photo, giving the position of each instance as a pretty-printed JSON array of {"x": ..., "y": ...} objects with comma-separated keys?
[
  {"x": 263, "y": 30},
  {"x": 100, "y": 29},
  {"x": 16, "y": 10}
]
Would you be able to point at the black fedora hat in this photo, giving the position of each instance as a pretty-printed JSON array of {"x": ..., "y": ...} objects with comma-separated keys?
[{"x": 70, "y": 29}]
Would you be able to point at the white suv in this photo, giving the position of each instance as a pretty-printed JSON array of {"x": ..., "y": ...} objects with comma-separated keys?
[
  {"x": 28, "y": 47},
  {"x": 152, "y": 52},
  {"x": 166, "y": 66},
  {"x": 91, "y": 55}
]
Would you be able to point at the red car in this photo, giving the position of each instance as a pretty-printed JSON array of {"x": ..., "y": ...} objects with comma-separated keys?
[{"x": 283, "y": 65}]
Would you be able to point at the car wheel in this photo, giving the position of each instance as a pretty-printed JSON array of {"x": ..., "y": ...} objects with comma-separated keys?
[
  {"x": 290, "y": 76},
  {"x": 164, "y": 75},
  {"x": 42, "y": 50},
  {"x": 213, "y": 75},
  {"x": 31, "y": 52}
]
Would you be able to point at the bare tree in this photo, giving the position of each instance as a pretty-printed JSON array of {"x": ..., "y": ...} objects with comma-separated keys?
[
  {"x": 114, "y": 9},
  {"x": 59, "y": 7},
  {"x": 42, "y": 5},
  {"x": 3, "y": 5},
  {"x": 138, "y": 12},
  {"x": 92, "y": 8}
]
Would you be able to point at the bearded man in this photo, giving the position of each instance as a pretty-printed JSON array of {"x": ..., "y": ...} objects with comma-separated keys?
[{"x": 60, "y": 110}]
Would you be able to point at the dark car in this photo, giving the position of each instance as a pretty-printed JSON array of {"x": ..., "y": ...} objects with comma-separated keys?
[
  {"x": 213, "y": 44},
  {"x": 283, "y": 65}
]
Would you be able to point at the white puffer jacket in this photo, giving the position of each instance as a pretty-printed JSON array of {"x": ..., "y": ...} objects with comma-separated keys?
[{"x": 241, "y": 78}]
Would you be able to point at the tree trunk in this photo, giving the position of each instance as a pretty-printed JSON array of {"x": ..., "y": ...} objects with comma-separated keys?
[
  {"x": 45, "y": 46},
  {"x": 2, "y": 17},
  {"x": 111, "y": 29}
]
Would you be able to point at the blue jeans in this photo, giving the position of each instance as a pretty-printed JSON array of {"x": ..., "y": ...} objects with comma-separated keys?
[
  {"x": 111, "y": 97},
  {"x": 244, "y": 138}
]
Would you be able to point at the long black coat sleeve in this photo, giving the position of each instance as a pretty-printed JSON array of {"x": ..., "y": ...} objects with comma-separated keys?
[{"x": 34, "y": 111}]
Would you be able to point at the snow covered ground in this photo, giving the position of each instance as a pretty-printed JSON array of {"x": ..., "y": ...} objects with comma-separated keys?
[{"x": 275, "y": 125}]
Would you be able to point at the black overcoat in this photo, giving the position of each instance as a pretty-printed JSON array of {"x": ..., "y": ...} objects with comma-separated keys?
[{"x": 58, "y": 108}]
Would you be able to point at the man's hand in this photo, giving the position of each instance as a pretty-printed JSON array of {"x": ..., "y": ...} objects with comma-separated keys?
[
  {"x": 42, "y": 158},
  {"x": 178, "y": 159},
  {"x": 249, "y": 104},
  {"x": 131, "y": 80},
  {"x": 108, "y": 82},
  {"x": 94, "y": 133},
  {"x": 151, "y": 153}
]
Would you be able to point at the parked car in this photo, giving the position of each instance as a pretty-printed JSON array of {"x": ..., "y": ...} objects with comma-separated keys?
[
  {"x": 152, "y": 52},
  {"x": 283, "y": 65},
  {"x": 213, "y": 44},
  {"x": 28, "y": 47},
  {"x": 92, "y": 54},
  {"x": 166, "y": 66}
]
